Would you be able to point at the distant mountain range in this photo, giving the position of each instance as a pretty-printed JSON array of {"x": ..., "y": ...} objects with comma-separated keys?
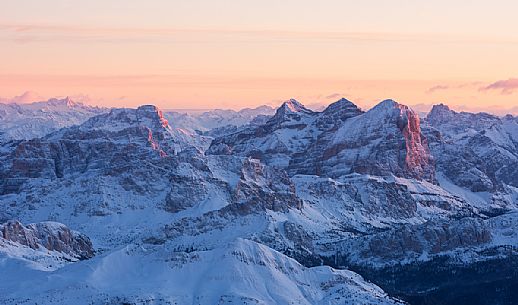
[
  {"x": 258, "y": 206},
  {"x": 26, "y": 121}
]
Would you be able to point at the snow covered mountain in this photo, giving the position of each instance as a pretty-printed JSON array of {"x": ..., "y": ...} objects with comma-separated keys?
[
  {"x": 27, "y": 121},
  {"x": 299, "y": 209},
  {"x": 128, "y": 171},
  {"x": 478, "y": 152},
  {"x": 216, "y": 119},
  {"x": 386, "y": 139}
]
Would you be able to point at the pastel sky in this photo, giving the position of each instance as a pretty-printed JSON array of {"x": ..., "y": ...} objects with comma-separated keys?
[{"x": 240, "y": 53}]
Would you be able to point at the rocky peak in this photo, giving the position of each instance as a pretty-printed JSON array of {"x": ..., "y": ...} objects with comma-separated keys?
[
  {"x": 439, "y": 113},
  {"x": 339, "y": 111},
  {"x": 440, "y": 108},
  {"x": 387, "y": 104},
  {"x": 389, "y": 111},
  {"x": 385, "y": 112},
  {"x": 342, "y": 104},
  {"x": 152, "y": 114},
  {"x": 290, "y": 108},
  {"x": 456, "y": 124},
  {"x": 418, "y": 160}
]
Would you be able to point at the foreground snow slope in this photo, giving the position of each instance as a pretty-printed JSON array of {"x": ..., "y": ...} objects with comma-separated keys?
[{"x": 242, "y": 272}]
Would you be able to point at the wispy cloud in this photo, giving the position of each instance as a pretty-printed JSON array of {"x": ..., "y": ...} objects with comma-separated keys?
[
  {"x": 334, "y": 96},
  {"x": 26, "y": 97},
  {"x": 437, "y": 88},
  {"x": 26, "y": 33},
  {"x": 442, "y": 87},
  {"x": 507, "y": 86}
]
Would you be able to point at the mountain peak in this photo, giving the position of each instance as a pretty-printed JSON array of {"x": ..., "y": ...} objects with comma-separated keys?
[
  {"x": 340, "y": 111},
  {"x": 342, "y": 104},
  {"x": 387, "y": 108},
  {"x": 439, "y": 113},
  {"x": 440, "y": 109},
  {"x": 293, "y": 106},
  {"x": 152, "y": 113},
  {"x": 119, "y": 118},
  {"x": 148, "y": 108},
  {"x": 406, "y": 152},
  {"x": 66, "y": 102},
  {"x": 387, "y": 104},
  {"x": 288, "y": 110}
]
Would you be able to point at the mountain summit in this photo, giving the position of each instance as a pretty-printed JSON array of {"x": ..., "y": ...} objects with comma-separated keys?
[{"x": 292, "y": 106}]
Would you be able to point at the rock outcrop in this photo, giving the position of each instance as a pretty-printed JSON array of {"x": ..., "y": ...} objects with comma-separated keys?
[
  {"x": 264, "y": 188},
  {"x": 52, "y": 236}
]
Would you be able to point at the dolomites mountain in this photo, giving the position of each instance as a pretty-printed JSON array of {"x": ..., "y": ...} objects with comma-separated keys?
[
  {"x": 342, "y": 206},
  {"x": 476, "y": 151},
  {"x": 386, "y": 139}
]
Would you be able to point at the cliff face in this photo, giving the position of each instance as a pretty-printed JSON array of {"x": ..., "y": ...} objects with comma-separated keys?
[{"x": 418, "y": 160}]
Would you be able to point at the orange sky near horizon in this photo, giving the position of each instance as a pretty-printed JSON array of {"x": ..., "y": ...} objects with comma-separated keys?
[{"x": 235, "y": 54}]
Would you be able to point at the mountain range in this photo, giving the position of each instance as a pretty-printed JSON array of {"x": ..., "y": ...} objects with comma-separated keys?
[{"x": 260, "y": 206}]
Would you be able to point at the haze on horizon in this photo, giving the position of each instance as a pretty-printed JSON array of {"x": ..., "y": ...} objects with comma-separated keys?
[{"x": 235, "y": 54}]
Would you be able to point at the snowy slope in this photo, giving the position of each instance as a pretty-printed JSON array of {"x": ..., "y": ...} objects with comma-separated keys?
[{"x": 242, "y": 272}]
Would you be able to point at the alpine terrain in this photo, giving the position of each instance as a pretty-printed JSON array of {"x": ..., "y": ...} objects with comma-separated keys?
[{"x": 260, "y": 206}]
